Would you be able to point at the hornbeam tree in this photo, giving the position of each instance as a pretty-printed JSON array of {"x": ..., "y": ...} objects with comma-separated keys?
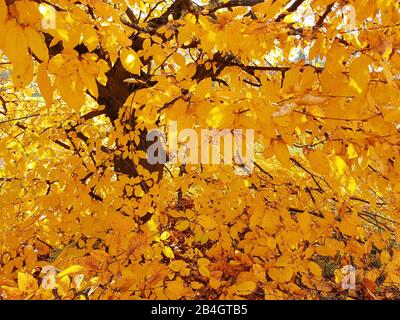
[{"x": 85, "y": 215}]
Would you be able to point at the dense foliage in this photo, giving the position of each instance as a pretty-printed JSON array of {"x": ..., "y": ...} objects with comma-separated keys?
[{"x": 85, "y": 216}]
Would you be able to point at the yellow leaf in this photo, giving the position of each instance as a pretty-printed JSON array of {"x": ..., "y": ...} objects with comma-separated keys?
[
  {"x": 281, "y": 274},
  {"x": 168, "y": 252},
  {"x": 22, "y": 77},
  {"x": 71, "y": 89},
  {"x": 203, "y": 262},
  {"x": 176, "y": 289},
  {"x": 207, "y": 222},
  {"x": 3, "y": 12},
  {"x": 16, "y": 47},
  {"x": 214, "y": 283},
  {"x": 204, "y": 88},
  {"x": 348, "y": 227},
  {"x": 44, "y": 84},
  {"x": 385, "y": 257},
  {"x": 220, "y": 117},
  {"x": 203, "y": 270},
  {"x": 259, "y": 272},
  {"x": 340, "y": 165},
  {"x": 26, "y": 281},
  {"x": 359, "y": 73},
  {"x": 319, "y": 162},
  {"x": 351, "y": 185},
  {"x": 65, "y": 281},
  {"x": 338, "y": 275},
  {"x": 282, "y": 153},
  {"x": 318, "y": 49},
  {"x": 246, "y": 287},
  {"x": 90, "y": 38},
  {"x": 196, "y": 285},
  {"x": 37, "y": 44},
  {"x": 28, "y": 12},
  {"x": 130, "y": 60},
  {"x": 351, "y": 152},
  {"x": 165, "y": 235},
  {"x": 72, "y": 269},
  {"x": 177, "y": 265},
  {"x": 182, "y": 225},
  {"x": 315, "y": 269},
  {"x": 22, "y": 281},
  {"x": 89, "y": 80}
]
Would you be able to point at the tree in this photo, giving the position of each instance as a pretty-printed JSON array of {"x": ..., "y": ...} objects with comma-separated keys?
[{"x": 85, "y": 215}]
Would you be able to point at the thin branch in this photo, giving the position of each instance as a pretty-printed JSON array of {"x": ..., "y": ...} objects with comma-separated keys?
[
  {"x": 152, "y": 9},
  {"x": 289, "y": 10},
  {"x": 21, "y": 118},
  {"x": 321, "y": 19},
  {"x": 262, "y": 170},
  {"x": 230, "y": 4},
  {"x": 338, "y": 119}
]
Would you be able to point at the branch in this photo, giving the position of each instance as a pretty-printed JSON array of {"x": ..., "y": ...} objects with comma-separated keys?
[
  {"x": 231, "y": 4},
  {"x": 324, "y": 15},
  {"x": 62, "y": 144},
  {"x": 21, "y": 118},
  {"x": 338, "y": 119},
  {"x": 175, "y": 10},
  {"x": 313, "y": 176},
  {"x": 131, "y": 16},
  {"x": 94, "y": 113},
  {"x": 262, "y": 170},
  {"x": 289, "y": 10},
  {"x": 152, "y": 9}
]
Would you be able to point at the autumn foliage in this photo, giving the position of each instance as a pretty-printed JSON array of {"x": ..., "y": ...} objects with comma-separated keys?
[{"x": 85, "y": 216}]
